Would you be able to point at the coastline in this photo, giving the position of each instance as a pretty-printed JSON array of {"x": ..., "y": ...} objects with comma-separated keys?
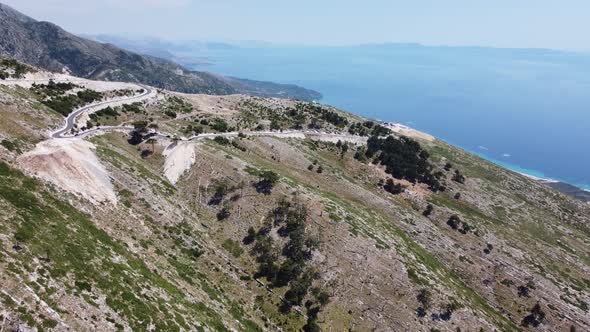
[
  {"x": 533, "y": 174},
  {"x": 578, "y": 191},
  {"x": 536, "y": 175},
  {"x": 402, "y": 128},
  {"x": 546, "y": 180},
  {"x": 340, "y": 88}
]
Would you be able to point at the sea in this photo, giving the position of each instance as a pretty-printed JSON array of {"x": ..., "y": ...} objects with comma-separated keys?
[{"x": 524, "y": 109}]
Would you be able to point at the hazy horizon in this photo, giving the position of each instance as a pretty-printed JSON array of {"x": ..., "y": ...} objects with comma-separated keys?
[
  {"x": 502, "y": 24},
  {"x": 265, "y": 43}
]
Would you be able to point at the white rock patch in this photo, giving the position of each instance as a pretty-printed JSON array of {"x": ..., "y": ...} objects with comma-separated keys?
[
  {"x": 410, "y": 132},
  {"x": 334, "y": 138},
  {"x": 43, "y": 77},
  {"x": 180, "y": 156},
  {"x": 71, "y": 165}
]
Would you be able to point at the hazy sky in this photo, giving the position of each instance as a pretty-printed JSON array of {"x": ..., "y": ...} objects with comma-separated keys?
[{"x": 558, "y": 24}]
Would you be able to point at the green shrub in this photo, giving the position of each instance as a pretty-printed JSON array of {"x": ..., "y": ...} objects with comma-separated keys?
[
  {"x": 133, "y": 108},
  {"x": 221, "y": 140},
  {"x": 88, "y": 96},
  {"x": 220, "y": 125},
  {"x": 223, "y": 214},
  {"x": 9, "y": 145},
  {"x": 393, "y": 188},
  {"x": 267, "y": 181},
  {"x": 171, "y": 114},
  {"x": 233, "y": 247}
]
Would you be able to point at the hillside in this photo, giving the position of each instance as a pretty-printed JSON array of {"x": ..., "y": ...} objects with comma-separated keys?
[
  {"x": 200, "y": 212},
  {"x": 46, "y": 45}
]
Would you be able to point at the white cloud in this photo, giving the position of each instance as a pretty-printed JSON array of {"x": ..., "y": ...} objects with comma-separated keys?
[{"x": 506, "y": 155}]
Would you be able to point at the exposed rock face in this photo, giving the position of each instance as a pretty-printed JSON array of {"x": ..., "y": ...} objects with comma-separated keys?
[
  {"x": 71, "y": 165},
  {"x": 46, "y": 45},
  {"x": 179, "y": 159}
]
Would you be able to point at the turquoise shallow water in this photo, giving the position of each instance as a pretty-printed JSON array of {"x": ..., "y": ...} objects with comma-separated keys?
[
  {"x": 528, "y": 110},
  {"x": 531, "y": 172},
  {"x": 521, "y": 170}
]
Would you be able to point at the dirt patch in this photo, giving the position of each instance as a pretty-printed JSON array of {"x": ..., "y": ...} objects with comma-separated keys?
[
  {"x": 215, "y": 105},
  {"x": 334, "y": 138},
  {"x": 71, "y": 165},
  {"x": 180, "y": 156}
]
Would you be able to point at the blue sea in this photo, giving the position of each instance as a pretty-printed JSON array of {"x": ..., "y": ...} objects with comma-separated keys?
[{"x": 526, "y": 109}]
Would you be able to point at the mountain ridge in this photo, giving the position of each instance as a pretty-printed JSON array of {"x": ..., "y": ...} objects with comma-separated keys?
[{"x": 46, "y": 45}]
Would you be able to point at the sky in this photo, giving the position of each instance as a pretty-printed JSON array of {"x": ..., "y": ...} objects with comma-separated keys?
[{"x": 497, "y": 23}]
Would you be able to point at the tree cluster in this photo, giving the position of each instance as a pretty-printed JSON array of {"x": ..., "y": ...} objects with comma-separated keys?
[
  {"x": 535, "y": 318},
  {"x": 177, "y": 104},
  {"x": 392, "y": 188},
  {"x": 447, "y": 311},
  {"x": 135, "y": 137},
  {"x": 220, "y": 125},
  {"x": 105, "y": 112},
  {"x": 266, "y": 182},
  {"x": 458, "y": 177},
  {"x": 424, "y": 297},
  {"x": 360, "y": 154},
  {"x": 52, "y": 89},
  {"x": 404, "y": 158},
  {"x": 194, "y": 130},
  {"x": 221, "y": 140},
  {"x": 54, "y": 96},
  {"x": 18, "y": 69},
  {"x": 457, "y": 224},
  {"x": 221, "y": 189},
  {"x": 290, "y": 218},
  {"x": 132, "y": 108},
  {"x": 368, "y": 128},
  {"x": 323, "y": 113}
]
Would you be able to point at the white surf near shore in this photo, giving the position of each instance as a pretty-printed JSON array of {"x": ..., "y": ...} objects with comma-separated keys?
[{"x": 547, "y": 180}]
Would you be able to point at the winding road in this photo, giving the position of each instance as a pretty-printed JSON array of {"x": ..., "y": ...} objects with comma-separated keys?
[
  {"x": 70, "y": 123},
  {"x": 71, "y": 118}
]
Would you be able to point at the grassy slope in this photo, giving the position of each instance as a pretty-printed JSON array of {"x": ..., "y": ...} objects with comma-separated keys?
[
  {"x": 136, "y": 265},
  {"x": 61, "y": 245}
]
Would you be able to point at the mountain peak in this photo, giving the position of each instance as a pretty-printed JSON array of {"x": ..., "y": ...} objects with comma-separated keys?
[{"x": 9, "y": 12}]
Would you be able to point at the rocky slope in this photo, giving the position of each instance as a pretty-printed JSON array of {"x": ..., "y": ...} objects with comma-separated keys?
[
  {"x": 46, "y": 45},
  {"x": 304, "y": 229}
]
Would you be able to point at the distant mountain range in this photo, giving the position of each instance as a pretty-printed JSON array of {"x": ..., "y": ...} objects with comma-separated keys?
[
  {"x": 569, "y": 189},
  {"x": 48, "y": 46}
]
